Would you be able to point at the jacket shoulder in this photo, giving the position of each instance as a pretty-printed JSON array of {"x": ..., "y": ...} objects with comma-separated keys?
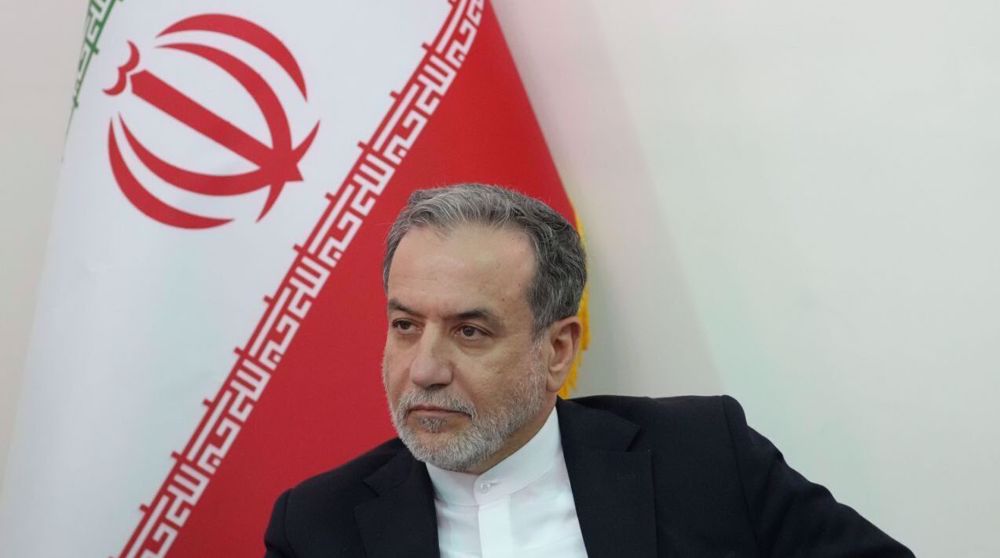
[
  {"x": 318, "y": 513},
  {"x": 719, "y": 471},
  {"x": 347, "y": 479},
  {"x": 354, "y": 470},
  {"x": 678, "y": 412},
  {"x": 693, "y": 430}
]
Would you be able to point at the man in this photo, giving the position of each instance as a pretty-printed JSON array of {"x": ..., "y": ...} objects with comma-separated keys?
[{"x": 483, "y": 286}]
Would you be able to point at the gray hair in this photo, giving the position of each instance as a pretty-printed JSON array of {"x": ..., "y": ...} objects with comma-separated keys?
[{"x": 560, "y": 262}]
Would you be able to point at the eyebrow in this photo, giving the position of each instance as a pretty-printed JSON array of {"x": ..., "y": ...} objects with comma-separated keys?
[
  {"x": 394, "y": 304},
  {"x": 479, "y": 314},
  {"x": 483, "y": 314}
]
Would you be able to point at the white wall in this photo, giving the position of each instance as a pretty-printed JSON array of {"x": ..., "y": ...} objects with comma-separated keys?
[
  {"x": 790, "y": 202},
  {"x": 796, "y": 203},
  {"x": 39, "y": 42}
]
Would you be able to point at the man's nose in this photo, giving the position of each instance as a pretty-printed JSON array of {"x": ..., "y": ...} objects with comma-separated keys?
[{"x": 431, "y": 365}]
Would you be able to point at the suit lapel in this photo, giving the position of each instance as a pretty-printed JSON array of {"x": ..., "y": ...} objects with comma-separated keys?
[
  {"x": 402, "y": 520},
  {"x": 612, "y": 487}
]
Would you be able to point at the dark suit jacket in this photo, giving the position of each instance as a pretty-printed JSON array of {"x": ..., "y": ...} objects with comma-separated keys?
[{"x": 682, "y": 476}]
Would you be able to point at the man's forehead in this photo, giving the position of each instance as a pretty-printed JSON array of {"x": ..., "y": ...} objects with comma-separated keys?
[
  {"x": 467, "y": 268},
  {"x": 471, "y": 228},
  {"x": 471, "y": 242}
]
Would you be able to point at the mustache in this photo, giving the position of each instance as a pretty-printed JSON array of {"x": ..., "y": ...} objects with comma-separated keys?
[{"x": 440, "y": 399}]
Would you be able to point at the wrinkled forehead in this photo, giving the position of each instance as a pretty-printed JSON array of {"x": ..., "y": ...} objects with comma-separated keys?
[
  {"x": 474, "y": 242},
  {"x": 466, "y": 261}
]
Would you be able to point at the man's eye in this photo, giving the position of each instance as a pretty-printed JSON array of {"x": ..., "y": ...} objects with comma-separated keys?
[
  {"x": 470, "y": 332},
  {"x": 402, "y": 325}
]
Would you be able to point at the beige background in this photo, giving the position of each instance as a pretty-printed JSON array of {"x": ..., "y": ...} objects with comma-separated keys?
[
  {"x": 791, "y": 202},
  {"x": 40, "y": 43}
]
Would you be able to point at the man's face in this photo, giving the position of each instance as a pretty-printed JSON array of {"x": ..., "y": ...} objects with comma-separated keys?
[{"x": 464, "y": 377}]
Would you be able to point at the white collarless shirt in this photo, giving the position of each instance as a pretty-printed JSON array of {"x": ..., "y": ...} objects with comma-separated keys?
[{"x": 521, "y": 507}]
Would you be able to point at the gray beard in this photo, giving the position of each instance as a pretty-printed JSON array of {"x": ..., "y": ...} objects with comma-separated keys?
[{"x": 488, "y": 429}]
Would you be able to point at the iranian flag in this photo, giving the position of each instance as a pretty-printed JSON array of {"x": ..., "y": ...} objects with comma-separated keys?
[{"x": 211, "y": 317}]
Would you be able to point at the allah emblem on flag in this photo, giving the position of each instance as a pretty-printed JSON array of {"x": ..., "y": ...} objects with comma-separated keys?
[{"x": 275, "y": 162}]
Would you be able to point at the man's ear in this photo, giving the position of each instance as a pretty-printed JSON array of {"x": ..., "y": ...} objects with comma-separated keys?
[{"x": 562, "y": 340}]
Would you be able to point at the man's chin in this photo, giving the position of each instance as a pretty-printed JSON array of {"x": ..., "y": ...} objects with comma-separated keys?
[
  {"x": 427, "y": 446},
  {"x": 435, "y": 422}
]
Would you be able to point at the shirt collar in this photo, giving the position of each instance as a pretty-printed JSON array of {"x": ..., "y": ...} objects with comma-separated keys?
[{"x": 518, "y": 470}]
